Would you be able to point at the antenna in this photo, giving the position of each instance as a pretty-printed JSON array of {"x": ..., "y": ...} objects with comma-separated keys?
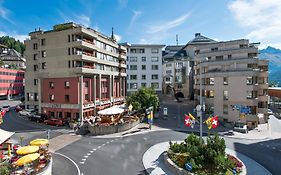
[{"x": 177, "y": 40}]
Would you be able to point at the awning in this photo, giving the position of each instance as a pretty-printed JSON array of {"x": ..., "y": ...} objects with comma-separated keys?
[
  {"x": 5, "y": 135},
  {"x": 113, "y": 110}
]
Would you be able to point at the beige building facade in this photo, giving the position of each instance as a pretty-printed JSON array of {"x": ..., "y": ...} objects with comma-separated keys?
[
  {"x": 232, "y": 75},
  {"x": 73, "y": 71}
]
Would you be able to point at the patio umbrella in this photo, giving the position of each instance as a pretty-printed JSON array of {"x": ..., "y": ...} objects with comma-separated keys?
[
  {"x": 27, "y": 159},
  {"x": 39, "y": 142},
  {"x": 27, "y": 150}
]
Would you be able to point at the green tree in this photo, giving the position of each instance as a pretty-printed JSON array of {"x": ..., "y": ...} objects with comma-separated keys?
[
  {"x": 143, "y": 99},
  {"x": 12, "y": 43}
]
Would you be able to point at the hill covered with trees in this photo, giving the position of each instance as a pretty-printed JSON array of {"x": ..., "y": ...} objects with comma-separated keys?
[{"x": 12, "y": 43}]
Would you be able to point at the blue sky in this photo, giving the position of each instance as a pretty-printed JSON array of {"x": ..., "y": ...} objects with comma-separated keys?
[{"x": 150, "y": 21}]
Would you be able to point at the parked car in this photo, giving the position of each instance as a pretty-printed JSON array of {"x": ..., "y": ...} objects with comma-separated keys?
[
  {"x": 35, "y": 116},
  {"x": 27, "y": 112},
  {"x": 240, "y": 127},
  {"x": 18, "y": 108},
  {"x": 6, "y": 107},
  {"x": 54, "y": 122},
  {"x": 269, "y": 111}
]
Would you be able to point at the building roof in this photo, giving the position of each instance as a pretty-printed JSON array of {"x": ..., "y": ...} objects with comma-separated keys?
[
  {"x": 174, "y": 52},
  {"x": 200, "y": 39},
  {"x": 147, "y": 45},
  {"x": 12, "y": 55}
]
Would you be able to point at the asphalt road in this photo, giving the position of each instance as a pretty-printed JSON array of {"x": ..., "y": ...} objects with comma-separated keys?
[{"x": 123, "y": 156}]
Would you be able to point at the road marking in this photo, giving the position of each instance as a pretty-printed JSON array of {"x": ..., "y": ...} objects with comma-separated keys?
[
  {"x": 91, "y": 151},
  {"x": 86, "y": 156},
  {"x": 94, "y": 149},
  {"x": 273, "y": 148},
  {"x": 77, "y": 167},
  {"x": 261, "y": 144},
  {"x": 111, "y": 140},
  {"x": 267, "y": 146},
  {"x": 103, "y": 144},
  {"x": 107, "y": 142},
  {"x": 83, "y": 160},
  {"x": 99, "y": 147}
]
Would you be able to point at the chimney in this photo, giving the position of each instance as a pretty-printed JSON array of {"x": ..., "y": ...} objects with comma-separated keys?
[{"x": 197, "y": 34}]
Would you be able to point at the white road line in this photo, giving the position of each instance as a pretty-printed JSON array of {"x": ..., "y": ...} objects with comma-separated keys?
[
  {"x": 273, "y": 148},
  {"x": 111, "y": 140},
  {"x": 83, "y": 160},
  {"x": 103, "y": 144},
  {"x": 86, "y": 156},
  {"x": 77, "y": 167},
  {"x": 107, "y": 142},
  {"x": 91, "y": 151},
  {"x": 261, "y": 144},
  {"x": 99, "y": 147},
  {"x": 94, "y": 149},
  {"x": 267, "y": 146}
]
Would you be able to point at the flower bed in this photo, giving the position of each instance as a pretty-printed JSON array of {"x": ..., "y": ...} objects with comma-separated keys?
[{"x": 205, "y": 158}]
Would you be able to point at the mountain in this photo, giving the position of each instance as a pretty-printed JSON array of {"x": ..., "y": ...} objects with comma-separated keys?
[{"x": 274, "y": 56}]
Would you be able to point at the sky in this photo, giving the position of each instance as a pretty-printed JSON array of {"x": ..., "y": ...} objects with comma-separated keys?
[{"x": 150, "y": 21}]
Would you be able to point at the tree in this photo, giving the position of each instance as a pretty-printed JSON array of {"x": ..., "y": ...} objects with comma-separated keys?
[
  {"x": 12, "y": 43},
  {"x": 143, "y": 99}
]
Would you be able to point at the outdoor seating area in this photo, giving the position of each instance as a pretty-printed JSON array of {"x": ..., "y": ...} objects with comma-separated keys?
[{"x": 32, "y": 159}]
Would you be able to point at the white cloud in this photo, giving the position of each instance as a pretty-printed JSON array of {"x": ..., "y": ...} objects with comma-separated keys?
[
  {"x": 4, "y": 13},
  {"x": 117, "y": 37},
  {"x": 136, "y": 14},
  {"x": 261, "y": 17},
  {"x": 15, "y": 35},
  {"x": 167, "y": 25},
  {"x": 122, "y": 3},
  {"x": 84, "y": 20}
]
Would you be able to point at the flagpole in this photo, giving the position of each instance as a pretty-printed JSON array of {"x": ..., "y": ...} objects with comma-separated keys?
[{"x": 200, "y": 77}]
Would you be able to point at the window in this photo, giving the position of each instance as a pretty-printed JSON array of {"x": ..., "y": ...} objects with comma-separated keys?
[
  {"x": 154, "y": 59},
  {"x": 155, "y": 85},
  {"x": 52, "y": 97},
  {"x": 225, "y": 95},
  {"x": 27, "y": 95},
  {"x": 143, "y": 59},
  {"x": 35, "y": 67},
  {"x": 34, "y": 56},
  {"x": 133, "y": 77},
  {"x": 133, "y": 67},
  {"x": 69, "y": 64},
  {"x": 212, "y": 94},
  {"x": 212, "y": 81},
  {"x": 35, "y": 82},
  {"x": 43, "y": 53},
  {"x": 43, "y": 42},
  {"x": 225, "y": 109},
  {"x": 137, "y": 50},
  {"x": 168, "y": 71},
  {"x": 143, "y": 67},
  {"x": 154, "y": 77},
  {"x": 86, "y": 84},
  {"x": 143, "y": 77},
  {"x": 219, "y": 58},
  {"x": 214, "y": 49},
  {"x": 169, "y": 65},
  {"x": 35, "y": 97},
  {"x": 86, "y": 96},
  {"x": 154, "y": 50},
  {"x": 249, "y": 80},
  {"x": 133, "y": 85},
  {"x": 229, "y": 57},
  {"x": 143, "y": 84},
  {"x": 35, "y": 46},
  {"x": 133, "y": 59},
  {"x": 69, "y": 51},
  {"x": 69, "y": 38},
  {"x": 66, "y": 84},
  {"x": 154, "y": 67},
  {"x": 44, "y": 65},
  {"x": 168, "y": 79},
  {"x": 225, "y": 80},
  {"x": 51, "y": 85}
]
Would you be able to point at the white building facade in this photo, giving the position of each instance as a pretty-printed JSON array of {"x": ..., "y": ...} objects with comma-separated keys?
[{"x": 144, "y": 67}]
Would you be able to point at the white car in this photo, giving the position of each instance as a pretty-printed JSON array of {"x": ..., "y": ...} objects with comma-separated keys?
[
  {"x": 269, "y": 111},
  {"x": 240, "y": 127},
  {"x": 6, "y": 108},
  {"x": 26, "y": 112}
]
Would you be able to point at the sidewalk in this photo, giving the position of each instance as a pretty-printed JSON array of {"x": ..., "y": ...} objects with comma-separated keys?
[{"x": 154, "y": 165}]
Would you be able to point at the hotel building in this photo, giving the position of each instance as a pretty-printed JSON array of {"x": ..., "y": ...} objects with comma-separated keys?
[{"x": 73, "y": 71}]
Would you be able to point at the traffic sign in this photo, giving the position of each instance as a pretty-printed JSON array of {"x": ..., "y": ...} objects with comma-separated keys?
[{"x": 188, "y": 166}]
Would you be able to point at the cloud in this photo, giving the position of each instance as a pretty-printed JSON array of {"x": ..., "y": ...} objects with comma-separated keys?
[
  {"x": 122, "y": 3},
  {"x": 164, "y": 26},
  {"x": 84, "y": 20},
  {"x": 261, "y": 17},
  {"x": 136, "y": 14},
  {"x": 15, "y": 35},
  {"x": 117, "y": 37},
  {"x": 4, "y": 13}
]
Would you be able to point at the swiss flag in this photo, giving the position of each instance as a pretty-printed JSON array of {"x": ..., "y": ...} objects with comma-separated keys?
[
  {"x": 187, "y": 121},
  {"x": 215, "y": 121},
  {"x": 3, "y": 112}
]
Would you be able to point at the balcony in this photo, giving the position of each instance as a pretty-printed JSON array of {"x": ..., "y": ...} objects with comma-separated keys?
[
  {"x": 262, "y": 110},
  {"x": 88, "y": 105}
]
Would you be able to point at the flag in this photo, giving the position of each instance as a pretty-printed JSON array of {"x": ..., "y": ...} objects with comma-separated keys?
[
  {"x": 3, "y": 112},
  {"x": 187, "y": 121},
  {"x": 191, "y": 116},
  {"x": 209, "y": 122},
  {"x": 215, "y": 121}
]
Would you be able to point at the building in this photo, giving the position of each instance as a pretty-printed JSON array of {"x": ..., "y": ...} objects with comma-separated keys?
[
  {"x": 275, "y": 98},
  {"x": 231, "y": 75},
  {"x": 144, "y": 67},
  {"x": 73, "y": 71},
  {"x": 11, "y": 82},
  {"x": 176, "y": 71},
  {"x": 11, "y": 58}
]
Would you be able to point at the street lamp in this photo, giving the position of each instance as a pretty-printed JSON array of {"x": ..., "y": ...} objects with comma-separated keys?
[{"x": 201, "y": 107}]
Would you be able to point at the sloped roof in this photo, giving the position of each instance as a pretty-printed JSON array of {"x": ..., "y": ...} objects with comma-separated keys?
[
  {"x": 12, "y": 55},
  {"x": 5, "y": 135},
  {"x": 173, "y": 52},
  {"x": 200, "y": 39}
]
